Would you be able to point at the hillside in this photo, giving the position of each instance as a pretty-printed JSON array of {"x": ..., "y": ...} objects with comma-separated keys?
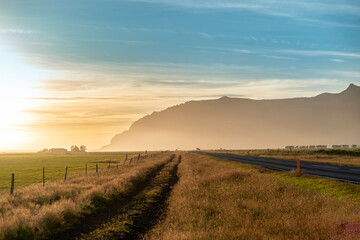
[{"x": 236, "y": 123}]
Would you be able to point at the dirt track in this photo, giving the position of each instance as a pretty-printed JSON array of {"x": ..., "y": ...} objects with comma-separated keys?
[{"x": 136, "y": 213}]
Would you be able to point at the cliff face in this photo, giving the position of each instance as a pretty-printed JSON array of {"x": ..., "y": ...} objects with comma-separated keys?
[{"x": 244, "y": 123}]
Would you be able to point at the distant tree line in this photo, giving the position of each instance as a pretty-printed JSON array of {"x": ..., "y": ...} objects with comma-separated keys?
[
  {"x": 321, "y": 147},
  {"x": 73, "y": 148}
]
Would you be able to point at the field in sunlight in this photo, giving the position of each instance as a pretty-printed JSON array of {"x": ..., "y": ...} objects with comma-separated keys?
[
  {"x": 37, "y": 212},
  {"x": 28, "y": 168},
  {"x": 178, "y": 195},
  {"x": 219, "y": 199}
]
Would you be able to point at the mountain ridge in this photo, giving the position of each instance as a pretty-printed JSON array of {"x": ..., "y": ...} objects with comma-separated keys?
[{"x": 328, "y": 118}]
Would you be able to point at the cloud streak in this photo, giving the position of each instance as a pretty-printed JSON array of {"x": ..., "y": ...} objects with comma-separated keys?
[
  {"x": 306, "y": 11},
  {"x": 315, "y": 53},
  {"x": 16, "y": 31},
  {"x": 205, "y": 35}
]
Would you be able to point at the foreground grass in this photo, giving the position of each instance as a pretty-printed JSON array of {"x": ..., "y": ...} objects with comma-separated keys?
[
  {"x": 36, "y": 212},
  {"x": 28, "y": 167},
  {"x": 213, "y": 200}
]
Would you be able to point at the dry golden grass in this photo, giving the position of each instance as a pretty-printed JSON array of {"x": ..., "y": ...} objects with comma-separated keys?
[
  {"x": 213, "y": 200},
  {"x": 35, "y": 212}
]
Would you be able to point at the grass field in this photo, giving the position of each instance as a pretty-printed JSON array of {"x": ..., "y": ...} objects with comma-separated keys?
[
  {"x": 28, "y": 167},
  {"x": 348, "y": 157},
  {"x": 191, "y": 196},
  {"x": 215, "y": 199},
  {"x": 36, "y": 212}
]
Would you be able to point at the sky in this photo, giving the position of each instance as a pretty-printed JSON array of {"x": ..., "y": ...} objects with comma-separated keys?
[{"x": 78, "y": 72}]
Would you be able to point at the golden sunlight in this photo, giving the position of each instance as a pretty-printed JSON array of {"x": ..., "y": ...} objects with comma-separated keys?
[{"x": 16, "y": 86}]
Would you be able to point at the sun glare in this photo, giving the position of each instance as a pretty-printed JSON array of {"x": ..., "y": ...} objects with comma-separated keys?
[{"x": 16, "y": 86}]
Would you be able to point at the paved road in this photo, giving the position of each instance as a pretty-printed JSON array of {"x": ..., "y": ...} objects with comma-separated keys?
[{"x": 342, "y": 173}]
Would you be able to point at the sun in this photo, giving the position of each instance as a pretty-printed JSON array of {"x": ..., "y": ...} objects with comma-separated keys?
[{"x": 17, "y": 80}]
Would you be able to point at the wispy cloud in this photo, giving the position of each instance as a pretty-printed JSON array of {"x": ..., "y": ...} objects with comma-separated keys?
[
  {"x": 347, "y": 74},
  {"x": 241, "y": 50},
  {"x": 16, "y": 31},
  {"x": 74, "y": 98},
  {"x": 319, "y": 53},
  {"x": 279, "y": 57},
  {"x": 109, "y": 40},
  {"x": 69, "y": 85},
  {"x": 205, "y": 35},
  {"x": 152, "y": 79},
  {"x": 308, "y": 11},
  {"x": 159, "y": 30},
  {"x": 336, "y": 60}
]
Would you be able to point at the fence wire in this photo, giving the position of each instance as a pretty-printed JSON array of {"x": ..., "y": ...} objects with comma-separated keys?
[{"x": 46, "y": 174}]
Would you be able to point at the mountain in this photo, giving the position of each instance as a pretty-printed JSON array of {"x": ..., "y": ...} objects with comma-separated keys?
[{"x": 238, "y": 123}]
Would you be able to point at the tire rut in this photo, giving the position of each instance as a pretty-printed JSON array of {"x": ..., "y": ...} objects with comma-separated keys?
[
  {"x": 96, "y": 219},
  {"x": 140, "y": 215}
]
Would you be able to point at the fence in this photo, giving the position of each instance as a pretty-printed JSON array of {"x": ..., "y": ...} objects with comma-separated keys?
[{"x": 42, "y": 176}]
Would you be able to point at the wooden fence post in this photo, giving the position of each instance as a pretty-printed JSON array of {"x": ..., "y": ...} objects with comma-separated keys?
[
  {"x": 65, "y": 173},
  {"x": 43, "y": 177},
  {"x": 86, "y": 169},
  {"x": 298, "y": 167},
  {"x": 96, "y": 169},
  {"x": 12, "y": 183},
  {"x": 297, "y": 164}
]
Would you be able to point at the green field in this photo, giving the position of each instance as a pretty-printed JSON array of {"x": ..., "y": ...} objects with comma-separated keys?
[{"x": 28, "y": 168}]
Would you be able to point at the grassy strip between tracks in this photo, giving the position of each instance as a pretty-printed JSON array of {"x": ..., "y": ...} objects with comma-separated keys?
[
  {"x": 143, "y": 210},
  {"x": 225, "y": 200},
  {"x": 36, "y": 212}
]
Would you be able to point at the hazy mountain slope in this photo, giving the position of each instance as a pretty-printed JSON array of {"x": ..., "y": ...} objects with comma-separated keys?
[{"x": 245, "y": 123}]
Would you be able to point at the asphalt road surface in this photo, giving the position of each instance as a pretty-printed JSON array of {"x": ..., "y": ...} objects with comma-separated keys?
[{"x": 342, "y": 173}]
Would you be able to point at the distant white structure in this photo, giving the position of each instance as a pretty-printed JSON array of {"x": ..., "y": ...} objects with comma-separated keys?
[{"x": 58, "y": 150}]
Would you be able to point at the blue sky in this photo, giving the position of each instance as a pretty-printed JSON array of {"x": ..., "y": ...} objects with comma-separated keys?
[
  {"x": 151, "y": 54},
  {"x": 296, "y": 39}
]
